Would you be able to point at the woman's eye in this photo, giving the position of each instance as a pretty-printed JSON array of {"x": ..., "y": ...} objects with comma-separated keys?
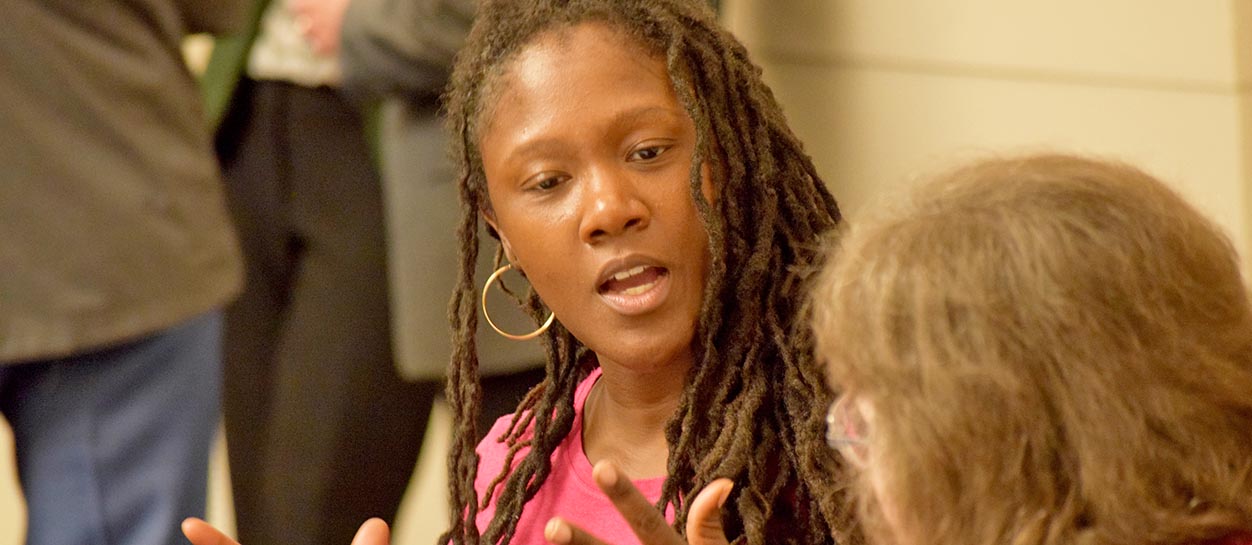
[
  {"x": 649, "y": 153},
  {"x": 546, "y": 182}
]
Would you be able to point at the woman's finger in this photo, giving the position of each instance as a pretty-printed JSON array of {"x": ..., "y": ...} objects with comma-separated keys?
[
  {"x": 647, "y": 522},
  {"x": 373, "y": 532},
  {"x": 560, "y": 532},
  {"x": 199, "y": 532}
]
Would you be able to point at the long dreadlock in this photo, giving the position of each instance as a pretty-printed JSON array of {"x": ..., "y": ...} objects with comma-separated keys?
[{"x": 755, "y": 402}]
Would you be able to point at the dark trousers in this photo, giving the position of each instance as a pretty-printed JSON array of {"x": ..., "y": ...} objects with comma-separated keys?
[{"x": 322, "y": 433}]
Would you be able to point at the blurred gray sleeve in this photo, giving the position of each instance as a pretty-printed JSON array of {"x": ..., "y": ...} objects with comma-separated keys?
[{"x": 402, "y": 48}]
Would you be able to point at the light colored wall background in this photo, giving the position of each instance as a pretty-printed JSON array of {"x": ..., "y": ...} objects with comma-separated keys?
[
  {"x": 882, "y": 91},
  {"x": 12, "y": 510}
]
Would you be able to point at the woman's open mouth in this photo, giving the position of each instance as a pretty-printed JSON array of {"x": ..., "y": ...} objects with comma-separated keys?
[{"x": 636, "y": 290}]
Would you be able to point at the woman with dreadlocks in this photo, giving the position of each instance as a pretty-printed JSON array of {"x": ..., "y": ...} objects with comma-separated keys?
[
  {"x": 642, "y": 178},
  {"x": 638, "y": 172}
]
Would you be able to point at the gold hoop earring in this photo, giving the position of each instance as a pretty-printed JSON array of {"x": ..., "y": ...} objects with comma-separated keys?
[{"x": 525, "y": 337}]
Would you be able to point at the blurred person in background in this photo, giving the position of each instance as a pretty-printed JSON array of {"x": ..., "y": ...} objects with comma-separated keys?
[
  {"x": 312, "y": 399},
  {"x": 397, "y": 54},
  {"x": 117, "y": 255},
  {"x": 338, "y": 346},
  {"x": 1042, "y": 350}
]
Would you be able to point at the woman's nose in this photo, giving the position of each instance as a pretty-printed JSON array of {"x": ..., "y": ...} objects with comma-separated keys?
[{"x": 612, "y": 206}]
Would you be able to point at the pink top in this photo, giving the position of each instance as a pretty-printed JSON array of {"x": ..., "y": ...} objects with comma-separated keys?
[{"x": 569, "y": 490}]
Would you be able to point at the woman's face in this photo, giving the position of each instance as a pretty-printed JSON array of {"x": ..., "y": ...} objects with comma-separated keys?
[{"x": 588, "y": 155}]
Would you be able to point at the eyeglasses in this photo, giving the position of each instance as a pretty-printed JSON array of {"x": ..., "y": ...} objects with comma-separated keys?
[{"x": 846, "y": 429}]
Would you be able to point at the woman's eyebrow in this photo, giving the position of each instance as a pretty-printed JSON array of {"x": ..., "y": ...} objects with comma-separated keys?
[
  {"x": 640, "y": 114},
  {"x": 537, "y": 146},
  {"x": 625, "y": 118}
]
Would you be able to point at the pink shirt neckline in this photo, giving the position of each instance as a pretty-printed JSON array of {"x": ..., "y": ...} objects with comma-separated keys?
[{"x": 579, "y": 464}]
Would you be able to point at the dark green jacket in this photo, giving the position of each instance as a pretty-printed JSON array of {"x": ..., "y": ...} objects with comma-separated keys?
[{"x": 226, "y": 66}]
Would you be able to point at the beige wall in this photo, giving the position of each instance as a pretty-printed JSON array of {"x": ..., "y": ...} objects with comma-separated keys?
[
  {"x": 12, "y": 510},
  {"x": 884, "y": 90}
]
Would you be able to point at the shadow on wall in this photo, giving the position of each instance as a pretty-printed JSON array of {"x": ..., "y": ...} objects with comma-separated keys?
[{"x": 1243, "y": 67}]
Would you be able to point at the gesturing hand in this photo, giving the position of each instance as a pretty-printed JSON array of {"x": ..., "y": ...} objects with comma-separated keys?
[
  {"x": 199, "y": 532},
  {"x": 704, "y": 522}
]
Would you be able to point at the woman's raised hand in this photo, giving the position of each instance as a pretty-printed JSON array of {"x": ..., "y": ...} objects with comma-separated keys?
[
  {"x": 704, "y": 522},
  {"x": 199, "y": 532}
]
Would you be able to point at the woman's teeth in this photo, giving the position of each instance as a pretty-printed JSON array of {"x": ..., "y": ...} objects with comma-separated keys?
[
  {"x": 639, "y": 289},
  {"x": 633, "y": 281},
  {"x": 629, "y": 273}
]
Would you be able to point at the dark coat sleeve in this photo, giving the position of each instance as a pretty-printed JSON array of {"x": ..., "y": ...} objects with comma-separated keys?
[{"x": 402, "y": 48}]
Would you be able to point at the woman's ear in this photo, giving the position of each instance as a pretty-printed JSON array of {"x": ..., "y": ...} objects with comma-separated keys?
[{"x": 490, "y": 219}]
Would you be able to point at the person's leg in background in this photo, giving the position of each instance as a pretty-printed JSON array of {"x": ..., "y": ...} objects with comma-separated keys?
[
  {"x": 257, "y": 189},
  {"x": 115, "y": 443},
  {"x": 341, "y": 430}
]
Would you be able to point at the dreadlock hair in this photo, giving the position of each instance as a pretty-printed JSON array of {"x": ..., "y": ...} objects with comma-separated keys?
[{"x": 755, "y": 402}]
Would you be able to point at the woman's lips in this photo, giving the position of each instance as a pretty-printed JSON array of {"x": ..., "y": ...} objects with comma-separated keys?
[{"x": 636, "y": 290}]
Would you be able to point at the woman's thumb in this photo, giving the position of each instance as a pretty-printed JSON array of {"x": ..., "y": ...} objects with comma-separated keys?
[
  {"x": 704, "y": 521},
  {"x": 373, "y": 532}
]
